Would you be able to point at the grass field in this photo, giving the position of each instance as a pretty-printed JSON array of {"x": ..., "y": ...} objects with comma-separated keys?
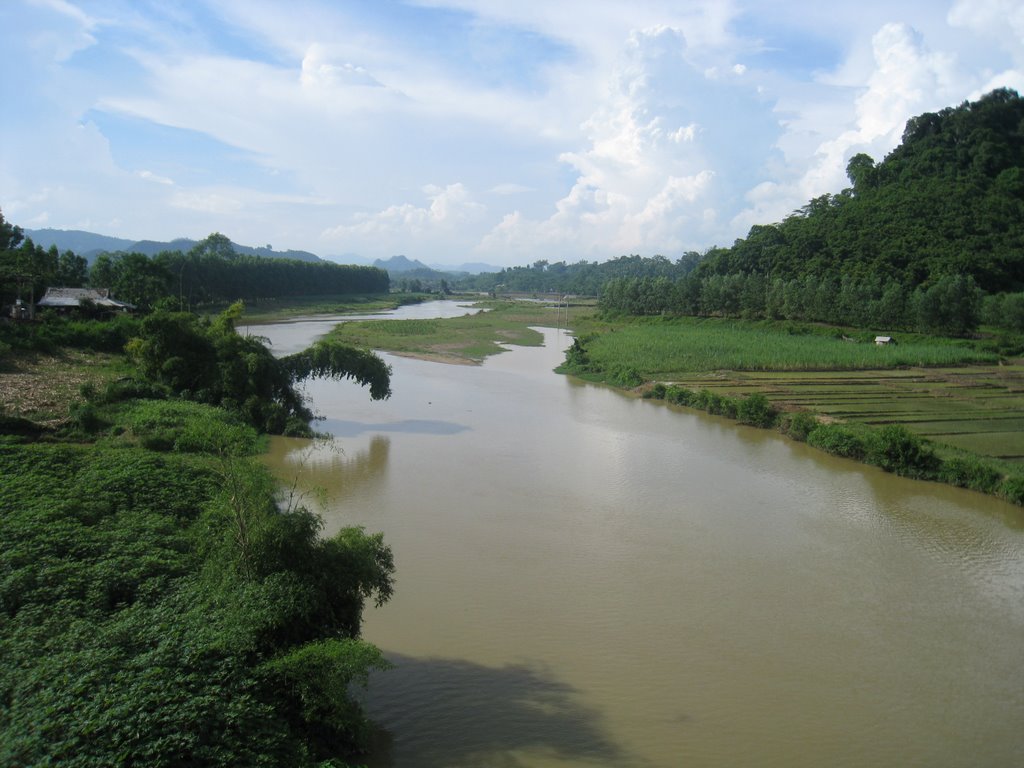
[
  {"x": 461, "y": 339},
  {"x": 695, "y": 345}
]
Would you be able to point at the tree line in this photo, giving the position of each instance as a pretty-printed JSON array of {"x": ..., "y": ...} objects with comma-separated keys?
[
  {"x": 209, "y": 272},
  {"x": 952, "y": 305}
]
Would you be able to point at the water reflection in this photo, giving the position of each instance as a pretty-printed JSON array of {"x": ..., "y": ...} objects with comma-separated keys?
[
  {"x": 342, "y": 428},
  {"x": 508, "y": 716},
  {"x": 324, "y": 473}
]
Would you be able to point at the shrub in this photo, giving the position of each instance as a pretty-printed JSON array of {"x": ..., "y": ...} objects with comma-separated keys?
[
  {"x": 679, "y": 395},
  {"x": 839, "y": 440},
  {"x": 895, "y": 449},
  {"x": 626, "y": 376},
  {"x": 1012, "y": 489},
  {"x": 86, "y": 418},
  {"x": 657, "y": 392},
  {"x": 757, "y": 411},
  {"x": 970, "y": 473},
  {"x": 799, "y": 425}
]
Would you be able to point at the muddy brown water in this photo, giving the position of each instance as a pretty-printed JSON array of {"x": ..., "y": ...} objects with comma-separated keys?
[{"x": 589, "y": 579}]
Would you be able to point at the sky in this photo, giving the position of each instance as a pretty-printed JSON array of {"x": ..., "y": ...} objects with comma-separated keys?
[{"x": 453, "y": 131}]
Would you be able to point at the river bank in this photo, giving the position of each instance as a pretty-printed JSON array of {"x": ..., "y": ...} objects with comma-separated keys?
[{"x": 946, "y": 402}]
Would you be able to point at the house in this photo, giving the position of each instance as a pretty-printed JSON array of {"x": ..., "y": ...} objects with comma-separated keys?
[
  {"x": 883, "y": 340},
  {"x": 66, "y": 299}
]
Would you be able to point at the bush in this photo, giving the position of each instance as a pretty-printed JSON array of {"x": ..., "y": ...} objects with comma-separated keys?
[
  {"x": 626, "y": 377},
  {"x": 86, "y": 418},
  {"x": 799, "y": 425},
  {"x": 1012, "y": 489},
  {"x": 679, "y": 395},
  {"x": 895, "y": 449},
  {"x": 757, "y": 411},
  {"x": 657, "y": 392},
  {"x": 970, "y": 473},
  {"x": 839, "y": 440}
]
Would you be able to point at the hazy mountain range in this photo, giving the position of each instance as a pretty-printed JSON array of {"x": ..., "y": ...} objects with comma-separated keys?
[{"x": 91, "y": 244}]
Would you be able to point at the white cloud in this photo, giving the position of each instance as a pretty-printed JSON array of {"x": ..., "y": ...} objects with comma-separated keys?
[
  {"x": 451, "y": 212},
  {"x": 647, "y": 180},
  {"x": 906, "y": 79},
  {"x": 150, "y": 176},
  {"x": 319, "y": 71}
]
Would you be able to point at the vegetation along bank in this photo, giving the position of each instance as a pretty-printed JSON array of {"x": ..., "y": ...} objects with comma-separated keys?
[{"x": 160, "y": 602}]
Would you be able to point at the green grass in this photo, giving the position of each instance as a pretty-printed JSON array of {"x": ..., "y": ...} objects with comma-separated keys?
[
  {"x": 689, "y": 345},
  {"x": 470, "y": 338}
]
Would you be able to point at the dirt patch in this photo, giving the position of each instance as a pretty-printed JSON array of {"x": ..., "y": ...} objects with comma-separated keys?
[{"x": 41, "y": 387}]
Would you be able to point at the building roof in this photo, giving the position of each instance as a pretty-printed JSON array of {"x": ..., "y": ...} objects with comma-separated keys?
[{"x": 73, "y": 297}]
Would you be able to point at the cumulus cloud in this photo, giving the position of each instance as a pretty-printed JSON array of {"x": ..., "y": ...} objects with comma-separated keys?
[
  {"x": 906, "y": 79},
  {"x": 451, "y": 212},
  {"x": 657, "y": 147}
]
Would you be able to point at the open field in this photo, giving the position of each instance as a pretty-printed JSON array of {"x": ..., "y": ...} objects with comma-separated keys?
[{"x": 668, "y": 349}]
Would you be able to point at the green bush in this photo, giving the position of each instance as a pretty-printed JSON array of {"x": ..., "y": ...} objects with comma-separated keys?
[
  {"x": 839, "y": 440},
  {"x": 757, "y": 411},
  {"x": 799, "y": 425},
  {"x": 679, "y": 395},
  {"x": 971, "y": 473},
  {"x": 896, "y": 449},
  {"x": 1012, "y": 489},
  {"x": 657, "y": 392},
  {"x": 85, "y": 418},
  {"x": 625, "y": 376}
]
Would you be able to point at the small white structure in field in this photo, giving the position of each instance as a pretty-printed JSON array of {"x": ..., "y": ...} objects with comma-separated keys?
[{"x": 883, "y": 340}]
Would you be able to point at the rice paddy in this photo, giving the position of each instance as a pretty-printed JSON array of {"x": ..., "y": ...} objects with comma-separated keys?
[{"x": 979, "y": 409}]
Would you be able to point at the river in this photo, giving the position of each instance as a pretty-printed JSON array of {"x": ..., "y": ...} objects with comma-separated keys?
[{"x": 589, "y": 579}]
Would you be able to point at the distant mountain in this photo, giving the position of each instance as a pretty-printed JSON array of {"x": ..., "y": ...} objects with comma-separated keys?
[
  {"x": 90, "y": 245},
  {"x": 401, "y": 264},
  {"x": 77, "y": 240},
  {"x": 153, "y": 247}
]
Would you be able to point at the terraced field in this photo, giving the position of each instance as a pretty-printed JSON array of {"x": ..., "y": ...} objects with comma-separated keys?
[{"x": 977, "y": 408}]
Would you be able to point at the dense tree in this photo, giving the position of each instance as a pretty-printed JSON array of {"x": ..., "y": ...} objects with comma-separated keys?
[
  {"x": 209, "y": 362},
  {"x": 907, "y": 247}
]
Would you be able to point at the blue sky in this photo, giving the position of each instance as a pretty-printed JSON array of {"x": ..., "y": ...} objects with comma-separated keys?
[{"x": 452, "y": 131}]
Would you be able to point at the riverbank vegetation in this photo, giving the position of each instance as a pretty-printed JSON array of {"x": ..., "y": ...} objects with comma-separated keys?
[
  {"x": 954, "y": 404},
  {"x": 160, "y": 602},
  {"x": 273, "y": 310}
]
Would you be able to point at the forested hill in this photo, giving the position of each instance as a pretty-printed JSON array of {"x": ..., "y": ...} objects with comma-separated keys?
[{"x": 948, "y": 201}]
